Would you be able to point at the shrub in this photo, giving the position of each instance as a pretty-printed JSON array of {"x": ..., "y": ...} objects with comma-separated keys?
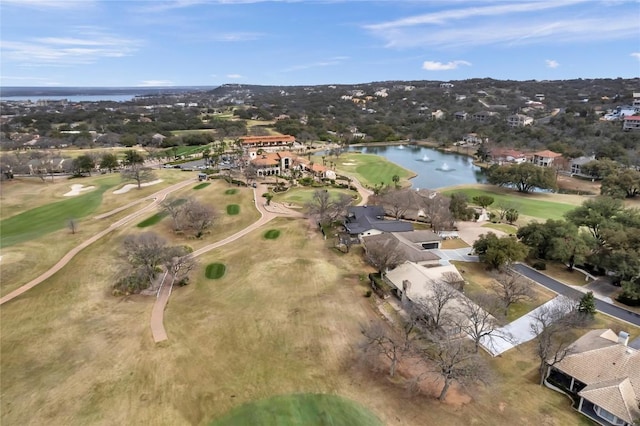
[
  {"x": 539, "y": 265},
  {"x": 368, "y": 293},
  {"x": 272, "y": 234}
]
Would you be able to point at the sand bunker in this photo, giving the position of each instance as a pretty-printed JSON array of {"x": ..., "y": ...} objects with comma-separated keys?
[
  {"x": 77, "y": 189},
  {"x": 128, "y": 187},
  {"x": 348, "y": 164}
]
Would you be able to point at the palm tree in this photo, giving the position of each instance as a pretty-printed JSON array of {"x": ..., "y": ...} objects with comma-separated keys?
[{"x": 395, "y": 179}]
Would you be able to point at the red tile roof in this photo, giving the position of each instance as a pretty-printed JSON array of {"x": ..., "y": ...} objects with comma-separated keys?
[{"x": 274, "y": 138}]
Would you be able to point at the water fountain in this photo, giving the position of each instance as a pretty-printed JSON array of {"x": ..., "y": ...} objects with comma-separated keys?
[
  {"x": 445, "y": 168},
  {"x": 401, "y": 147},
  {"x": 426, "y": 159}
]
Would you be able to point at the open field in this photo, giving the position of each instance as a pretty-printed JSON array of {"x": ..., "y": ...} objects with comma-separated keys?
[
  {"x": 541, "y": 206},
  {"x": 302, "y": 195},
  {"x": 368, "y": 168},
  {"x": 300, "y": 409}
]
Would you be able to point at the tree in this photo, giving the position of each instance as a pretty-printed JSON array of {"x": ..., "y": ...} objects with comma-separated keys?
[
  {"x": 146, "y": 253},
  {"x": 455, "y": 360},
  {"x": 179, "y": 263},
  {"x": 132, "y": 157},
  {"x": 396, "y": 203},
  {"x": 327, "y": 208},
  {"x": 381, "y": 258},
  {"x": 197, "y": 216},
  {"x": 524, "y": 177},
  {"x": 109, "y": 162},
  {"x": 434, "y": 307},
  {"x": 458, "y": 207},
  {"x": 503, "y": 207},
  {"x": 138, "y": 173},
  {"x": 596, "y": 214},
  {"x": 587, "y": 305},
  {"x": 83, "y": 164},
  {"x": 250, "y": 173},
  {"x": 475, "y": 320},
  {"x": 73, "y": 225},
  {"x": 551, "y": 323},
  {"x": 483, "y": 201},
  {"x": 512, "y": 216},
  {"x": 511, "y": 288},
  {"x": 497, "y": 252},
  {"x": 624, "y": 183},
  {"x": 173, "y": 207},
  {"x": 380, "y": 340},
  {"x": 396, "y": 180}
]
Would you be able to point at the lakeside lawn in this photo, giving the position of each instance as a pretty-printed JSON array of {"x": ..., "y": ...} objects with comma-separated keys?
[
  {"x": 534, "y": 205},
  {"x": 370, "y": 169}
]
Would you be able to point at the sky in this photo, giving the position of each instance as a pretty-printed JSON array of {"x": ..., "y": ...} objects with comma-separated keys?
[{"x": 102, "y": 43}]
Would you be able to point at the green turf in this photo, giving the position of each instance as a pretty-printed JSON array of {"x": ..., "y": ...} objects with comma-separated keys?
[
  {"x": 524, "y": 203},
  {"x": 51, "y": 217},
  {"x": 371, "y": 169},
  {"x": 233, "y": 209},
  {"x": 152, "y": 220},
  {"x": 230, "y": 191},
  {"x": 202, "y": 185},
  {"x": 215, "y": 271},
  {"x": 302, "y": 410},
  {"x": 302, "y": 196},
  {"x": 272, "y": 234},
  {"x": 504, "y": 227}
]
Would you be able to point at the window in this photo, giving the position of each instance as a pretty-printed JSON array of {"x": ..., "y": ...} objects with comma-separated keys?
[{"x": 607, "y": 415}]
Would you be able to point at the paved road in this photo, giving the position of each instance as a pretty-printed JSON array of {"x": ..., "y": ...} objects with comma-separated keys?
[{"x": 565, "y": 290}]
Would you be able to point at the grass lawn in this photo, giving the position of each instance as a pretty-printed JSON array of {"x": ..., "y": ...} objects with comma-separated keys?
[
  {"x": 370, "y": 169},
  {"x": 202, "y": 185},
  {"x": 453, "y": 243},
  {"x": 152, "y": 220},
  {"x": 233, "y": 209},
  {"x": 272, "y": 234},
  {"x": 230, "y": 191},
  {"x": 541, "y": 206},
  {"x": 215, "y": 271},
  {"x": 303, "y": 195},
  {"x": 504, "y": 227},
  {"x": 300, "y": 409},
  {"x": 51, "y": 217}
]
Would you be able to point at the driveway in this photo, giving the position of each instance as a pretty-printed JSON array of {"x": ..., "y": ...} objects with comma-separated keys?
[{"x": 460, "y": 255}]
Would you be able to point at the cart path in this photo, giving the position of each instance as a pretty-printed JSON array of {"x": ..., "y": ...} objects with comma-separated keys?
[
  {"x": 267, "y": 213},
  {"x": 156, "y": 198}
]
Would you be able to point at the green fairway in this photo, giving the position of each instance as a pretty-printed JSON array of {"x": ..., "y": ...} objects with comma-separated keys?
[
  {"x": 233, "y": 209},
  {"x": 215, "y": 271},
  {"x": 526, "y": 204},
  {"x": 230, "y": 191},
  {"x": 202, "y": 185},
  {"x": 302, "y": 409},
  {"x": 50, "y": 217},
  {"x": 302, "y": 196},
  {"x": 152, "y": 220},
  {"x": 371, "y": 169},
  {"x": 272, "y": 234}
]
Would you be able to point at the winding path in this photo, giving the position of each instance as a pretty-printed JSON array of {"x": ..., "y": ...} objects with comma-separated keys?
[{"x": 156, "y": 198}]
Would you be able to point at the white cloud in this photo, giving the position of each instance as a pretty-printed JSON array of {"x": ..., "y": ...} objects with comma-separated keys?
[
  {"x": 234, "y": 76},
  {"x": 336, "y": 60},
  {"x": 90, "y": 45},
  {"x": 636, "y": 55},
  {"x": 155, "y": 83},
  {"x": 50, "y": 4},
  {"x": 239, "y": 36},
  {"x": 439, "y": 66},
  {"x": 551, "y": 63},
  {"x": 507, "y": 24},
  {"x": 39, "y": 81}
]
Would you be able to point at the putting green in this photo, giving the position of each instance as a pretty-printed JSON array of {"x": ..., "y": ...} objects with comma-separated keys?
[
  {"x": 230, "y": 191},
  {"x": 233, "y": 209},
  {"x": 300, "y": 409},
  {"x": 215, "y": 271},
  {"x": 202, "y": 185},
  {"x": 272, "y": 234}
]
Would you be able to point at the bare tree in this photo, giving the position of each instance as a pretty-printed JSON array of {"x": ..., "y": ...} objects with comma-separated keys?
[
  {"x": 455, "y": 360},
  {"x": 511, "y": 288},
  {"x": 145, "y": 253},
  {"x": 174, "y": 208},
  {"x": 436, "y": 209},
  {"x": 73, "y": 225},
  {"x": 434, "y": 307},
  {"x": 179, "y": 263},
  {"x": 380, "y": 340},
  {"x": 475, "y": 320},
  {"x": 396, "y": 203},
  {"x": 326, "y": 208},
  {"x": 250, "y": 173},
  {"x": 551, "y": 323},
  {"x": 197, "y": 216},
  {"x": 138, "y": 173},
  {"x": 382, "y": 257},
  {"x": 454, "y": 280}
]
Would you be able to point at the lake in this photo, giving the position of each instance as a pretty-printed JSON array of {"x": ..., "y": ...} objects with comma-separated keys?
[
  {"x": 434, "y": 169},
  {"x": 72, "y": 98}
]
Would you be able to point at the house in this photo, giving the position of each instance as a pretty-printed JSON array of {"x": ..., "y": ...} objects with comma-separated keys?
[
  {"x": 366, "y": 220},
  {"x": 271, "y": 163},
  {"x": 577, "y": 163},
  {"x": 519, "y": 120},
  {"x": 273, "y": 141},
  {"x": 472, "y": 138},
  {"x": 631, "y": 123},
  {"x": 545, "y": 158},
  {"x": 446, "y": 85},
  {"x": 437, "y": 115},
  {"x": 412, "y": 246},
  {"x": 415, "y": 204},
  {"x": 506, "y": 155},
  {"x": 602, "y": 373},
  {"x": 483, "y": 116},
  {"x": 460, "y": 115}
]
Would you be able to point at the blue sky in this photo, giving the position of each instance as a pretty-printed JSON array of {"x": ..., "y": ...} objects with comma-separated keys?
[{"x": 209, "y": 42}]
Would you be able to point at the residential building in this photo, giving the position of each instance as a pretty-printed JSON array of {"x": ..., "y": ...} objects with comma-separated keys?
[
  {"x": 437, "y": 115},
  {"x": 506, "y": 155},
  {"x": 366, "y": 220},
  {"x": 412, "y": 246},
  {"x": 602, "y": 373},
  {"x": 577, "y": 163},
  {"x": 461, "y": 115},
  {"x": 545, "y": 158},
  {"x": 519, "y": 120},
  {"x": 483, "y": 116},
  {"x": 631, "y": 123}
]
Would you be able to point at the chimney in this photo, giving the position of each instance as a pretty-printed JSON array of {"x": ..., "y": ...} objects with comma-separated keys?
[{"x": 623, "y": 338}]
